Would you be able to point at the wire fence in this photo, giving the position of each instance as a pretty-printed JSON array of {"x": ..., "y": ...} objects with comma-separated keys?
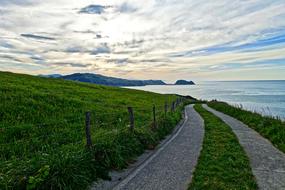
[{"x": 78, "y": 130}]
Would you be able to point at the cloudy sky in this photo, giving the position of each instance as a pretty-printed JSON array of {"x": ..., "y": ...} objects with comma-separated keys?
[{"x": 149, "y": 39}]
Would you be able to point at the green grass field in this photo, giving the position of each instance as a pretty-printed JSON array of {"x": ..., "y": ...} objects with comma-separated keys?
[
  {"x": 42, "y": 143},
  {"x": 222, "y": 164},
  {"x": 271, "y": 128}
]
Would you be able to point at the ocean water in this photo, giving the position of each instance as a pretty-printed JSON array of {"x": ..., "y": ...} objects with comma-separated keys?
[{"x": 265, "y": 97}]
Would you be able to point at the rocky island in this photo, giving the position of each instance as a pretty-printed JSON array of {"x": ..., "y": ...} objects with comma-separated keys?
[{"x": 184, "y": 82}]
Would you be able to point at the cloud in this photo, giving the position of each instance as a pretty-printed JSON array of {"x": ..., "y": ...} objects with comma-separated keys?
[
  {"x": 74, "y": 49},
  {"x": 126, "y": 7},
  {"x": 16, "y": 2},
  {"x": 167, "y": 38},
  {"x": 37, "y": 58},
  {"x": 231, "y": 47},
  {"x": 94, "y": 9},
  {"x": 10, "y": 57},
  {"x": 64, "y": 64},
  {"x": 6, "y": 44},
  {"x": 37, "y": 37},
  {"x": 119, "y": 61},
  {"x": 101, "y": 49}
]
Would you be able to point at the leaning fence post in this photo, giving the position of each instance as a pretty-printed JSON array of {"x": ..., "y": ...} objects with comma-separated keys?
[
  {"x": 88, "y": 129},
  {"x": 132, "y": 122},
  {"x": 154, "y": 118},
  {"x": 165, "y": 108}
]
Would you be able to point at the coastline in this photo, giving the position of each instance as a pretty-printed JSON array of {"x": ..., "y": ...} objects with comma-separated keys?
[{"x": 266, "y": 97}]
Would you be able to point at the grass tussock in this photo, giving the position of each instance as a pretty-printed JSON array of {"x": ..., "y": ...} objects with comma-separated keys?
[
  {"x": 42, "y": 142},
  {"x": 222, "y": 164},
  {"x": 271, "y": 128}
]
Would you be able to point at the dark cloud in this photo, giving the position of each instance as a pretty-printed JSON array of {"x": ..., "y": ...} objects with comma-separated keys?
[
  {"x": 98, "y": 36},
  {"x": 6, "y": 45},
  {"x": 74, "y": 49},
  {"x": 103, "y": 48},
  {"x": 37, "y": 58},
  {"x": 123, "y": 61},
  {"x": 13, "y": 58},
  {"x": 37, "y": 37},
  {"x": 94, "y": 9}
]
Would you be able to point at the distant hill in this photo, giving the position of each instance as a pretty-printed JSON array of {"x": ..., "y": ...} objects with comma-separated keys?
[
  {"x": 184, "y": 82},
  {"x": 112, "y": 81},
  {"x": 109, "y": 81}
]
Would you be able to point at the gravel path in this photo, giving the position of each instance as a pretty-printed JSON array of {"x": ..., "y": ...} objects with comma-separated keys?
[
  {"x": 267, "y": 162},
  {"x": 171, "y": 167}
]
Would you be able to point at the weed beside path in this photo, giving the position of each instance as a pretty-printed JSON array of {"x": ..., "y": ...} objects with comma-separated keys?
[{"x": 222, "y": 164}]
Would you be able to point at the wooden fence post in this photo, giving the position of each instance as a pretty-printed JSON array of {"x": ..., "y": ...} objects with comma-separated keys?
[
  {"x": 165, "y": 108},
  {"x": 154, "y": 118},
  {"x": 132, "y": 121},
  {"x": 88, "y": 129}
]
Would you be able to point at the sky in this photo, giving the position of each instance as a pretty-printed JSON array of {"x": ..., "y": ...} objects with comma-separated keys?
[{"x": 149, "y": 39}]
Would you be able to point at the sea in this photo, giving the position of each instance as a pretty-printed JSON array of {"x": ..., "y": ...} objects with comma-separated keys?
[{"x": 265, "y": 97}]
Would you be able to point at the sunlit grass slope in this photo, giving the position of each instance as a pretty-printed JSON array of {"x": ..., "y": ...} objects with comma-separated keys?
[{"x": 42, "y": 142}]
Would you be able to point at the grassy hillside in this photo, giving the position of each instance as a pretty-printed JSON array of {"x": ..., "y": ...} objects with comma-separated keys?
[
  {"x": 271, "y": 128},
  {"x": 42, "y": 142}
]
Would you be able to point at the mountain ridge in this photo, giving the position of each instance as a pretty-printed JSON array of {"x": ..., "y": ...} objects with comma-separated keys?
[{"x": 108, "y": 81}]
